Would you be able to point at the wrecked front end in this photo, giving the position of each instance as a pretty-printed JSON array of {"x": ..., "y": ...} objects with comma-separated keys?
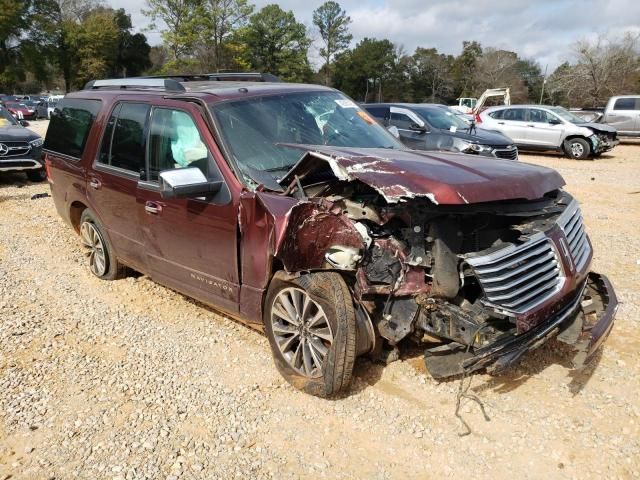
[
  {"x": 604, "y": 138},
  {"x": 477, "y": 284}
]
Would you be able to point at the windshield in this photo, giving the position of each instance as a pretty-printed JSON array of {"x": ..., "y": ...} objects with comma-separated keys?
[
  {"x": 441, "y": 118},
  {"x": 6, "y": 118},
  {"x": 565, "y": 114},
  {"x": 254, "y": 129}
]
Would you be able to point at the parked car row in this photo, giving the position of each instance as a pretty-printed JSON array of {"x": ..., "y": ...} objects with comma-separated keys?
[
  {"x": 289, "y": 207},
  {"x": 30, "y": 107}
]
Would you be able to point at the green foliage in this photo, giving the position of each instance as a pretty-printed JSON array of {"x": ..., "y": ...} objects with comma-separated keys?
[
  {"x": 333, "y": 24},
  {"x": 359, "y": 72},
  {"x": 181, "y": 19},
  {"x": 276, "y": 43},
  {"x": 27, "y": 33}
]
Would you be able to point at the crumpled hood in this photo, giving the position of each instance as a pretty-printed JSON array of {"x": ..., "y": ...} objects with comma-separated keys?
[
  {"x": 599, "y": 127},
  {"x": 445, "y": 178},
  {"x": 17, "y": 133}
]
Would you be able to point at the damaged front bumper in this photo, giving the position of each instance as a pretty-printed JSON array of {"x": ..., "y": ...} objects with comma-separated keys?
[
  {"x": 601, "y": 144},
  {"x": 584, "y": 324}
]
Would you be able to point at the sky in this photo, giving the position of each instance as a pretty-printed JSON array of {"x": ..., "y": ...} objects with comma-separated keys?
[{"x": 542, "y": 30}]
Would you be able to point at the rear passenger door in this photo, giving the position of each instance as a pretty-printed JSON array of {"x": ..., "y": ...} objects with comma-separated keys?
[
  {"x": 112, "y": 185},
  {"x": 190, "y": 244},
  {"x": 513, "y": 125}
]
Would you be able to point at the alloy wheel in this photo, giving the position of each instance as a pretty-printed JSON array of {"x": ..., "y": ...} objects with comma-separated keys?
[
  {"x": 92, "y": 240},
  {"x": 301, "y": 330}
]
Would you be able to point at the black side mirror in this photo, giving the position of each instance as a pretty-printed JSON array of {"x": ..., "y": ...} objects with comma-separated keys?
[
  {"x": 24, "y": 123},
  {"x": 418, "y": 128},
  {"x": 554, "y": 121}
]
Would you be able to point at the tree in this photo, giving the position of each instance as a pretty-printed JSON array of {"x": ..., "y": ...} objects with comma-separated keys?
[
  {"x": 602, "y": 68},
  {"x": 133, "y": 49},
  {"x": 276, "y": 43},
  {"x": 365, "y": 69},
  {"x": 499, "y": 68},
  {"x": 76, "y": 10},
  {"x": 333, "y": 25},
  {"x": 464, "y": 68},
  {"x": 181, "y": 19},
  {"x": 217, "y": 22},
  {"x": 429, "y": 75},
  {"x": 27, "y": 34}
]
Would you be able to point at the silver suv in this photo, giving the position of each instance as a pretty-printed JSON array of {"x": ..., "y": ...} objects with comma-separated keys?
[
  {"x": 623, "y": 113},
  {"x": 546, "y": 128}
]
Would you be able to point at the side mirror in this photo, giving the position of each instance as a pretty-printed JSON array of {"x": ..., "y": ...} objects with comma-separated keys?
[
  {"x": 393, "y": 130},
  {"x": 187, "y": 182},
  {"x": 555, "y": 121},
  {"x": 418, "y": 128},
  {"x": 24, "y": 123}
]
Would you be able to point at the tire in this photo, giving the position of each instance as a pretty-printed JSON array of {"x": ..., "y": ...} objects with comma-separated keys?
[
  {"x": 36, "y": 175},
  {"x": 577, "y": 148},
  {"x": 325, "y": 366},
  {"x": 98, "y": 246}
]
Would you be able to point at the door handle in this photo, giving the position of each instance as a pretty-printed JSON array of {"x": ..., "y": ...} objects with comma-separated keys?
[
  {"x": 95, "y": 184},
  {"x": 500, "y": 123},
  {"x": 532, "y": 126},
  {"x": 152, "y": 208}
]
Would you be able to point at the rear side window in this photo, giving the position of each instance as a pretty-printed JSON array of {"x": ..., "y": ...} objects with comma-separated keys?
[
  {"x": 70, "y": 125},
  {"x": 627, "y": 104},
  {"x": 514, "y": 114},
  {"x": 175, "y": 142},
  {"x": 123, "y": 143}
]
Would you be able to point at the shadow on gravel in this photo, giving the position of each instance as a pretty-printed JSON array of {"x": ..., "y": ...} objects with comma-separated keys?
[{"x": 17, "y": 180}]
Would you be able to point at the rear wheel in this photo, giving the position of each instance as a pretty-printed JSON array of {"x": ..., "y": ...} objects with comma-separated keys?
[
  {"x": 311, "y": 327},
  {"x": 102, "y": 260},
  {"x": 36, "y": 175},
  {"x": 577, "y": 148}
]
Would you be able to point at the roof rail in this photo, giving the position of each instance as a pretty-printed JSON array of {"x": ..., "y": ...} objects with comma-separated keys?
[
  {"x": 221, "y": 77},
  {"x": 161, "y": 83}
]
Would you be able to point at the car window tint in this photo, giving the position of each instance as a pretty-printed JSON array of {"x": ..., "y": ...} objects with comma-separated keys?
[
  {"x": 497, "y": 114},
  {"x": 514, "y": 114},
  {"x": 625, "y": 104},
  {"x": 128, "y": 141},
  {"x": 381, "y": 113},
  {"x": 175, "y": 142},
  {"x": 70, "y": 125},
  {"x": 401, "y": 120},
  {"x": 540, "y": 116}
]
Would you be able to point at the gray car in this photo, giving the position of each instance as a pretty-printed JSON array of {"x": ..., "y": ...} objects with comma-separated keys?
[{"x": 548, "y": 128}]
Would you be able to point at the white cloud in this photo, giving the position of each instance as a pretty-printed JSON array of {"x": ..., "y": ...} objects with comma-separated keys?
[{"x": 542, "y": 30}]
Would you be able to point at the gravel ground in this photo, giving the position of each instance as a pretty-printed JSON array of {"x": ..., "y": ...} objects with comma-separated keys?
[{"x": 129, "y": 380}]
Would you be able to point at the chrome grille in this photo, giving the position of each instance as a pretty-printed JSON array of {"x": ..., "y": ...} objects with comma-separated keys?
[
  {"x": 509, "y": 153},
  {"x": 14, "y": 149},
  {"x": 518, "y": 278},
  {"x": 573, "y": 227}
]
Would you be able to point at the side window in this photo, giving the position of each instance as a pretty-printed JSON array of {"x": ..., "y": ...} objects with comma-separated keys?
[
  {"x": 175, "y": 142},
  {"x": 380, "y": 113},
  {"x": 70, "y": 125},
  {"x": 626, "y": 104},
  {"x": 497, "y": 114},
  {"x": 539, "y": 116},
  {"x": 514, "y": 114},
  {"x": 401, "y": 120},
  {"x": 123, "y": 144}
]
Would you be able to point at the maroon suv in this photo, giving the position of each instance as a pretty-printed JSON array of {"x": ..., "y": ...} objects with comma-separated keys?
[{"x": 288, "y": 207}]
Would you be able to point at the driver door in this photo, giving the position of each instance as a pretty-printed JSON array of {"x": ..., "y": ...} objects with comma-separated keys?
[
  {"x": 543, "y": 132},
  {"x": 190, "y": 243},
  {"x": 409, "y": 125}
]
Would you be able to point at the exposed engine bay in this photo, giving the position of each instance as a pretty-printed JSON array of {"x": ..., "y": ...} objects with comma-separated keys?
[{"x": 458, "y": 279}]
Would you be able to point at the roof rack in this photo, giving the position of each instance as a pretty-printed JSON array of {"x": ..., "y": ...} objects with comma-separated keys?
[
  {"x": 221, "y": 77},
  {"x": 136, "y": 83}
]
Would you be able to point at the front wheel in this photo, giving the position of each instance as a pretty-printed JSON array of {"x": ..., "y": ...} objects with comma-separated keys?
[
  {"x": 311, "y": 327},
  {"x": 577, "y": 148}
]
